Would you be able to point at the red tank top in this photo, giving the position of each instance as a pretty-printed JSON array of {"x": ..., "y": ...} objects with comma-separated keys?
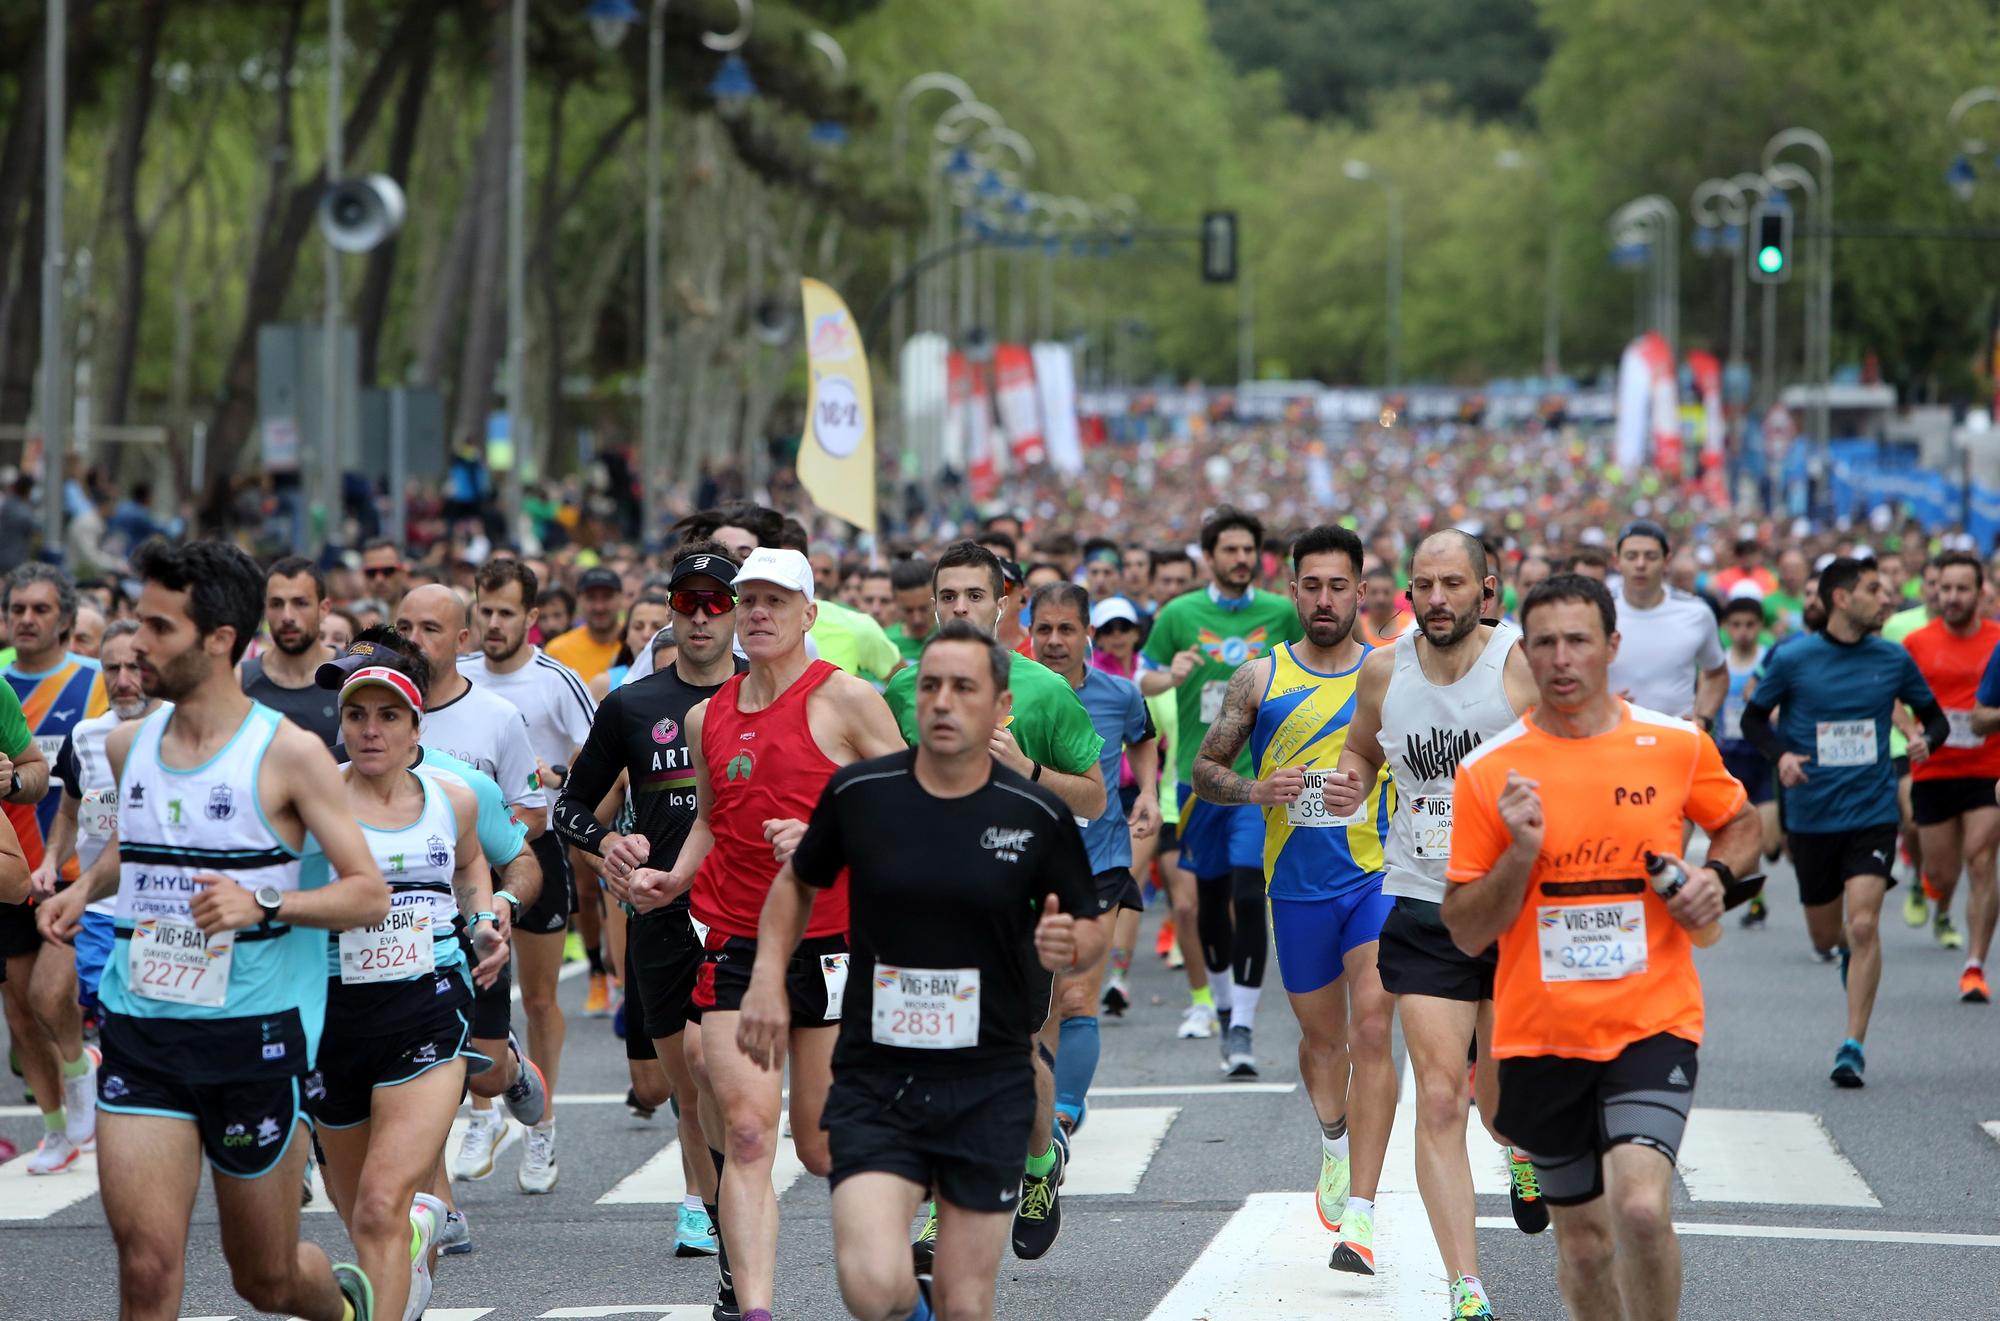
[{"x": 761, "y": 765}]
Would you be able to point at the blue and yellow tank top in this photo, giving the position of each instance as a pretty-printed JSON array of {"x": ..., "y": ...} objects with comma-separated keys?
[{"x": 1302, "y": 721}]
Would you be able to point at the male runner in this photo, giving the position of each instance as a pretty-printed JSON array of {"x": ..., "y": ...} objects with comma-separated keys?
[
  {"x": 911, "y": 582},
  {"x": 1060, "y": 625},
  {"x": 1199, "y": 641},
  {"x": 1836, "y": 691},
  {"x": 1420, "y": 707},
  {"x": 215, "y": 997},
  {"x": 1672, "y": 661},
  {"x": 383, "y": 570},
  {"x": 1597, "y": 1007},
  {"x": 1916, "y": 904},
  {"x": 1952, "y": 790},
  {"x": 763, "y": 749},
  {"x": 1384, "y": 619},
  {"x": 591, "y": 647},
  {"x": 1327, "y": 907},
  {"x": 286, "y": 676},
  {"x": 641, "y": 733},
  {"x": 1743, "y": 622},
  {"x": 931, "y": 1088}
]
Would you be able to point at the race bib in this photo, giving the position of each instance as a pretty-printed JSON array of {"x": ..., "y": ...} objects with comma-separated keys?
[
  {"x": 833, "y": 967},
  {"x": 1211, "y": 700},
  {"x": 1732, "y": 720},
  {"x": 51, "y": 748},
  {"x": 926, "y": 1008},
  {"x": 1961, "y": 731},
  {"x": 1310, "y": 811},
  {"x": 397, "y": 950},
  {"x": 97, "y": 814},
  {"x": 1430, "y": 826},
  {"x": 175, "y": 962},
  {"x": 1592, "y": 942},
  {"x": 1846, "y": 743}
]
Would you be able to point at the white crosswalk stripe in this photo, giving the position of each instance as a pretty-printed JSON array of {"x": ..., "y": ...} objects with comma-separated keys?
[
  {"x": 661, "y": 1181},
  {"x": 24, "y": 1196}
]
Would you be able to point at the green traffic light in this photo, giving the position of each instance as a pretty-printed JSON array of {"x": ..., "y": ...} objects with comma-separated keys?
[{"x": 1770, "y": 260}]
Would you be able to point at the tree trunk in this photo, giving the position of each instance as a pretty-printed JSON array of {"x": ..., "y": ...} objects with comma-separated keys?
[
  {"x": 129, "y": 302},
  {"x": 550, "y": 426},
  {"x": 19, "y": 164},
  {"x": 21, "y": 311},
  {"x": 373, "y": 309},
  {"x": 485, "y": 323}
]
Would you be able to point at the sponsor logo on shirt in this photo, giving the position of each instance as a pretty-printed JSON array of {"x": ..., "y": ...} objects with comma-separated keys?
[
  {"x": 740, "y": 766},
  {"x": 1436, "y": 756},
  {"x": 666, "y": 731},
  {"x": 1234, "y": 651},
  {"x": 438, "y": 854},
  {"x": 221, "y": 803},
  {"x": 1006, "y": 845}
]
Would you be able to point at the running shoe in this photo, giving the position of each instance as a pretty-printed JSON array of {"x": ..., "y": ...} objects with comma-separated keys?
[
  {"x": 1524, "y": 1193},
  {"x": 573, "y": 949},
  {"x": 538, "y": 1162},
  {"x": 427, "y": 1216},
  {"x": 1826, "y": 955},
  {"x": 638, "y": 1108},
  {"x": 356, "y": 1289},
  {"x": 923, "y": 1249},
  {"x": 1116, "y": 1000},
  {"x": 528, "y": 1098},
  {"x": 1355, "y": 1253},
  {"x": 1846, "y": 956},
  {"x": 597, "y": 1000},
  {"x": 455, "y": 1240},
  {"x": 1331, "y": 1198},
  {"x": 1972, "y": 986},
  {"x": 55, "y": 1154},
  {"x": 1175, "y": 959},
  {"x": 1947, "y": 934},
  {"x": 694, "y": 1233},
  {"x": 1198, "y": 1023},
  {"x": 726, "y": 1307},
  {"x": 1468, "y": 1304},
  {"x": 1039, "y": 1218},
  {"x": 8, "y": 1151},
  {"x": 1239, "y": 1060},
  {"x": 1849, "y": 1063},
  {"x": 1754, "y": 914},
  {"x": 487, "y": 1134},
  {"x": 80, "y": 1103},
  {"x": 1166, "y": 944},
  {"x": 1915, "y": 911}
]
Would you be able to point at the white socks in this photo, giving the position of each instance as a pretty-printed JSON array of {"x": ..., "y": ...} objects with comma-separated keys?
[{"x": 1242, "y": 1004}]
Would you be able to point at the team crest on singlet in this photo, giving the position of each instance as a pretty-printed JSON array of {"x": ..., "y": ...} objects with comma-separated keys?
[
  {"x": 739, "y": 766},
  {"x": 438, "y": 854},
  {"x": 221, "y": 803}
]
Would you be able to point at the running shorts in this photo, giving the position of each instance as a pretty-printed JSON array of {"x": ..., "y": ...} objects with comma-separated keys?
[
  {"x": 1313, "y": 936},
  {"x": 380, "y": 1036},
  {"x": 1825, "y": 860},
  {"x": 818, "y": 969},
  {"x": 962, "y": 1135},
  {"x": 493, "y": 1008},
  {"x": 18, "y": 935},
  {"x": 550, "y": 912},
  {"x": 662, "y": 959},
  {"x": 1117, "y": 889},
  {"x": 182, "y": 1069},
  {"x": 1934, "y": 802},
  {"x": 1753, "y": 772},
  {"x": 1567, "y": 1113},
  {"x": 1217, "y": 840},
  {"x": 1417, "y": 956},
  {"x": 94, "y": 940}
]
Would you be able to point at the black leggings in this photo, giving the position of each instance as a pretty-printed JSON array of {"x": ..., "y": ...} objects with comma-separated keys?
[{"x": 1235, "y": 937}]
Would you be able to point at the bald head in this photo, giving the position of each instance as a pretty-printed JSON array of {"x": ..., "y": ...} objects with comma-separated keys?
[
  {"x": 1451, "y": 541},
  {"x": 433, "y": 617}
]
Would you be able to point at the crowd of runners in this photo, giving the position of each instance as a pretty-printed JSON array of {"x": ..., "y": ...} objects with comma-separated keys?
[{"x": 862, "y": 842}]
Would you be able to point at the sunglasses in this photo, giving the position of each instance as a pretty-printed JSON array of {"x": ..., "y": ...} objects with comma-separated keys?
[
  {"x": 691, "y": 601},
  {"x": 380, "y": 573}
]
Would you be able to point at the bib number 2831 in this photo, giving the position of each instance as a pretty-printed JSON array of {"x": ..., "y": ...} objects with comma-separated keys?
[{"x": 926, "y": 1008}]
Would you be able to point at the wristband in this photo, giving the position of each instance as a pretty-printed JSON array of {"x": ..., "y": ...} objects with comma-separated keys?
[
  {"x": 494, "y": 918},
  {"x": 1037, "y": 776},
  {"x": 512, "y": 902}
]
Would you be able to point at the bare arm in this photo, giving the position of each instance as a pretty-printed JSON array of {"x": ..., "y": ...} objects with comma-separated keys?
[
  {"x": 1985, "y": 720},
  {"x": 13, "y": 865},
  {"x": 1519, "y": 678},
  {"x": 1215, "y": 778},
  {"x": 868, "y": 726},
  {"x": 1361, "y": 757},
  {"x": 1710, "y": 692},
  {"x": 764, "y": 1020},
  {"x": 357, "y": 896},
  {"x": 33, "y": 768},
  {"x": 536, "y": 819},
  {"x": 1738, "y": 842},
  {"x": 472, "y": 885},
  {"x": 1082, "y": 794},
  {"x": 61, "y": 847},
  {"x": 1478, "y": 911}
]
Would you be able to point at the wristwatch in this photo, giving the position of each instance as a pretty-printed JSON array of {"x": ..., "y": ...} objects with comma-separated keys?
[
  {"x": 269, "y": 897},
  {"x": 14, "y": 786},
  {"x": 512, "y": 902}
]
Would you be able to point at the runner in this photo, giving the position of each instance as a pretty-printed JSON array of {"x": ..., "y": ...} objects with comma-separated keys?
[
  {"x": 1835, "y": 692},
  {"x": 1198, "y": 642},
  {"x": 931, "y": 1088},
  {"x": 1327, "y": 905},
  {"x": 56, "y": 689},
  {"x": 1420, "y": 707},
  {"x": 382, "y": 568},
  {"x": 285, "y": 676},
  {"x": 911, "y": 580},
  {"x": 1385, "y": 619},
  {"x": 1743, "y": 621},
  {"x": 1060, "y": 626},
  {"x": 1595, "y": 1034},
  {"x": 1952, "y": 790},
  {"x": 399, "y": 993},
  {"x": 645, "y": 622},
  {"x": 773, "y": 737},
  {"x": 1916, "y": 904},
  {"x": 1114, "y": 648},
  {"x": 1670, "y": 635},
  {"x": 640, "y": 734},
  {"x": 591, "y": 648},
  {"x": 215, "y": 998}
]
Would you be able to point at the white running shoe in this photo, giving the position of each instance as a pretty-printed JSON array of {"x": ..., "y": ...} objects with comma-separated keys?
[
  {"x": 80, "y": 1104},
  {"x": 1198, "y": 1023},
  {"x": 487, "y": 1134},
  {"x": 538, "y": 1162},
  {"x": 427, "y": 1214},
  {"x": 56, "y": 1154}
]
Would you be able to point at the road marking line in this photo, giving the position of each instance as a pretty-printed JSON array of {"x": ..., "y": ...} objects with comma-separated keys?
[
  {"x": 1772, "y": 1157},
  {"x": 1199, "y": 1089},
  {"x": 568, "y": 971},
  {"x": 661, "y": 1182},
  {"x": 1115, "y": 1148},
  {"x": 1992, "y": 1127},
  {"x": 25, "y": 1196},
  {"x": 1712, "y": 1229},
  {"x": 657, "y": 1311}
]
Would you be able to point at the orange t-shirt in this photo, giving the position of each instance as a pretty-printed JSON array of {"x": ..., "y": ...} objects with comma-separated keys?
[
  {"x": 1953, "y": 666},
  {"x": 1399, "y": 623},
  {"x": 1593, "y": 961},
  {"x": 582, "y": 653}
]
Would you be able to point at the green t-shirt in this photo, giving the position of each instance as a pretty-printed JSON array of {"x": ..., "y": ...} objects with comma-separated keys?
[
  {"x": 1166, "y": 714},
  {"x": 912, "y": 648},
  {"x": 853, "y": 641},
  {"x": 1049, "y": 723},
  {"x": 1784, "y": 612},
  {"x": 14, "y": 735},
  {"x": 1230, "y": 638},
  {"x": 1894, "y": 629}
]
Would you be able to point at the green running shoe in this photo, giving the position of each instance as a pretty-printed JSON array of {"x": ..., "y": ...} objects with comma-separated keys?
[
  {"x": 356, "y": 1289},
  {"x": 1916, "y": 912},
  {"x": 923, "y": 1250},
  {"x": 1468, "y": 1304},
  {"x": 1332, "y": 1197},
  {"x": 1946, "y": 933},
  {"x": 1524, "y": 1191},
  {"x": 1355, "y": 1253}
]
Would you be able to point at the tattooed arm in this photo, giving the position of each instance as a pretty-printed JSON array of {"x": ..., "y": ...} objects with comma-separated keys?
[{"x": 1215, "y": 779}]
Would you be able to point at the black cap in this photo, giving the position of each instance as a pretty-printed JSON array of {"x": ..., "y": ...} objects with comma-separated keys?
[
  {"x": 599, "y": 579},
  {"x": 719, "y": 567},
  {"x": 1010, "y": 571},
  {"x": 1644, "y": 527},
  {"x": 332, "y": 674}
]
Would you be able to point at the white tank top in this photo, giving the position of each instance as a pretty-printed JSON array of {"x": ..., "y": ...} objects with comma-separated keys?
[
  {"x": 417, "y": 861},
  {"x": 1427, "y": 729}
]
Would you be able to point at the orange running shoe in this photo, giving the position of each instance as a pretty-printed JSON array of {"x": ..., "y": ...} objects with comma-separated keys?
[
  {"x": 1165, "y": 944},
  {"x": 1972, "y": 986},
  {"x": 1930, "y": 891},
  {"x": 597, "y": 1003}
]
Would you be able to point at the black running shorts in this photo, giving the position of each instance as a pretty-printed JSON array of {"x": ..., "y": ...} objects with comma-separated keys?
[
  {"x": 965, "y": 1136},
  {"x": 1826, "y": 860},
  {"x": 1416, "y": 956},
  {"x": 1116, "y": 889},
  {"x": 725, "y": 977},
  {"x": 662, "y": 959},
  {"x": 428, "y": 1024},
  {"x": 1934, "y": 802},
  {"x": 552, "y": 907},
  {"x": 171, "y": 1068},
  {"x": 1567, "y": 1113}
]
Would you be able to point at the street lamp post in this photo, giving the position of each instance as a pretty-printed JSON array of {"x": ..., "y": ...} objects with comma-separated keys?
[
  {"x": 1962, "y": 175},
  {"x": 1720, "y": 204},
  {"x": 1656, "y": 217},
  {"x": 1551, "y": 271},
  {"x": 899, "y": 258},
  {"x": 1781, "y": 177},
  {"x": 1821, "y": 369},
  {"x": 53, "y": 419},
  {"x": 1362, "y": 172}
]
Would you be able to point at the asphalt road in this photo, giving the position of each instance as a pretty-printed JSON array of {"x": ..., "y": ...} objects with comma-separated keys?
[{"x": 1797, "y": 1200}]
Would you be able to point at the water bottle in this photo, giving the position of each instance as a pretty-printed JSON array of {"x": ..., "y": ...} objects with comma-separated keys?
[{"x": 1668, "y": 876}]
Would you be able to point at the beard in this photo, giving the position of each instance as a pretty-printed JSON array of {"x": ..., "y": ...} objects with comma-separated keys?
[
  {"x": 1328, "y": 632},
  {"x": 1461, "y": 628},
  {"x": 297, "y": 646},
  {"x": 179, "y": 676},
  {"x": 510, "y": 649}
]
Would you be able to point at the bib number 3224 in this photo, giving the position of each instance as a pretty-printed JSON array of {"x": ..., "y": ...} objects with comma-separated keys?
[
  {"x": 174, "y": 962},
  {"x": 1592, "y": 942}
]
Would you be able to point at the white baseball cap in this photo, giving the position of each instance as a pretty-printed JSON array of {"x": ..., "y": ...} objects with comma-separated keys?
[
  {"x": 785, "y": 568},
  {"x": 1113, "y": 608}
]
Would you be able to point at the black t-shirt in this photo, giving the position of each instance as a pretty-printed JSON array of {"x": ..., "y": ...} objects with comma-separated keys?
[
  {"x": 640, "y": 728},
  {"x": 941, "y": 884},
  {"x": 312, "y": 708}
]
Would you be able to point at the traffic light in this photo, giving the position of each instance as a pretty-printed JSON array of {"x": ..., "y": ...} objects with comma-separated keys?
[
  {"x": 1218, "y": 247},
  {"x": 1770, "y": 251}
]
